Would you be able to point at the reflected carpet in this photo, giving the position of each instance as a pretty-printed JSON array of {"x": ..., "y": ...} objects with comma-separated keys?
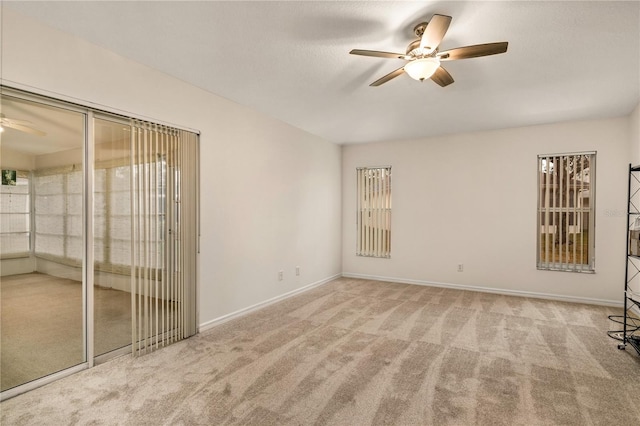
[{"x": 41, "y": 328}]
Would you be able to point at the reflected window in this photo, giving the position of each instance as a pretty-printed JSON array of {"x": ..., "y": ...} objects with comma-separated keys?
[{"x": 15, "y": 211}]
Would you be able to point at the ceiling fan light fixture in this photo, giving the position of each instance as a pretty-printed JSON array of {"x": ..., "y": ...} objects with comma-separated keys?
[{"x": 423, "y": 68}]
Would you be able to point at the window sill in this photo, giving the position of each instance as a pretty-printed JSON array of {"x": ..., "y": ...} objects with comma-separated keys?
[
  {"x": 585, "y": 271},
  {"x": 10, "y": 256}
]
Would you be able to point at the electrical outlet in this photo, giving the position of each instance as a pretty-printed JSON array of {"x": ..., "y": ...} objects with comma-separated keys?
[
  {"x": 280, "y": 275},
  {"x": 460, "y": 267},
  {"x": 297, "y": 271}
]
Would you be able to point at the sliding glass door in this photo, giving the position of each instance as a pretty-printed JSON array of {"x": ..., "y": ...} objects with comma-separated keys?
[
  {"x": 41, "y": 241},
  {"x": 98, "y": 238},
  {"x": 111, "y": 235}
]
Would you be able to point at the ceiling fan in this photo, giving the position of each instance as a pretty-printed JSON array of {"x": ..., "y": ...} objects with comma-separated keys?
[
  {"x": 424, "y": 57},
  {"x": 20, "y": 125}
]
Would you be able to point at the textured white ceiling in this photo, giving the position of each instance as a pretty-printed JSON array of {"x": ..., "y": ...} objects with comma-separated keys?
[{"x": 567, "y": 60}]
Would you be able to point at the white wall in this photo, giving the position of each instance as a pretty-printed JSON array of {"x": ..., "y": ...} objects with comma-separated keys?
[
  {"x": 270, "y": 193},
  {"x": 634, "y": 123},
  {"x": 67, "y": 157},
  {"x": 22, "y": 265},
  {"x": 471, "y": 199},
  {"x": 11, "y": 159}
]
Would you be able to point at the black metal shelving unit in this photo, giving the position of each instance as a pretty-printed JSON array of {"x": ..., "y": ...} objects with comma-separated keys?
[{"x": 630, "y": 333}]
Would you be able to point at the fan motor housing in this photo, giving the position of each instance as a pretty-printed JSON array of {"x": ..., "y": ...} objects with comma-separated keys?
[
  {"x": 418, "y": 30},
  {"x": 414, "y": 50},
  {"x": 415, "y": 44}
]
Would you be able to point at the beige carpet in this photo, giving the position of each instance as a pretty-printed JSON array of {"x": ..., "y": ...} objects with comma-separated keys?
[
  {"x": 41, "y": 325},
  {"x": 356, "y": 352}
]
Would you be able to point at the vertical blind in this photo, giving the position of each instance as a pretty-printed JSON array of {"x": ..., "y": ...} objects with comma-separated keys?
[
  {"x": 566, "y": 206},
  {"x": 373, "y": 212},
  {"x": 164, "y": 188}
]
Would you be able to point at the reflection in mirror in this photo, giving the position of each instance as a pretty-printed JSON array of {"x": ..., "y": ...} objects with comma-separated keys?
[
  {"x": 112, "y": 236},
  {"x": 41, "y": 241}
]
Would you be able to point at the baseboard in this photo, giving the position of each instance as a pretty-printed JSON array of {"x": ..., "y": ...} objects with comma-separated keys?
[
  {"x": 546, "y": 296},
  {"x": 221, "y": 320}
]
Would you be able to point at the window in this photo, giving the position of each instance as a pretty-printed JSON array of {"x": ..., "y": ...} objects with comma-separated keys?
[
  {"x": 112, "y": 218},
  {"x": 15, "y": 216},
  {"x": 58, "y": 219},
  {"x": 374, "y": 212},
  {"x": 566, "y": 212},
  {"x": 58, "y": 214}
]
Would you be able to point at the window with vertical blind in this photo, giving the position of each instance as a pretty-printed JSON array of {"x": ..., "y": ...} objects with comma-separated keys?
[
  {"x": 15, "y": 217},
  {"x": 373, "y": 211},
  {"x": 58, "y": 197},
  {"x": 112, "y": 216},
  {"x": 566, "y": 212}
]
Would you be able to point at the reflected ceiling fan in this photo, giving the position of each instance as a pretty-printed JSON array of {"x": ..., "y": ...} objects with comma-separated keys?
[
  {"x": 20, "y": 125},
  {"x": 424, "y": 57}
]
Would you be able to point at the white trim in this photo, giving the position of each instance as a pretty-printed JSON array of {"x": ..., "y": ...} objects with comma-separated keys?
[
  {"x": 82, "y": 103},
  {"x": 34, "y": 384},
  {"x": 244, "y": 311},
  {"x": 108, "y": 356},
  {"x": 564, "y": 154},
  {"x": 547, "y": 296},
  {"x": 89, "y": 265}
]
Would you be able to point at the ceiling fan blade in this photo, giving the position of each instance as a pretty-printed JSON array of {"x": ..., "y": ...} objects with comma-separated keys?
[
  {"x": 22, "y": 128},
  {"x": 4, "y": 119},
  {"x": 442, "y": 77},
  {"x": 378, "y": 54},
  {"x": 474, "y": 51},
  {"x": 391, "y": 75},
  {"x": 434, "y": 33}
]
